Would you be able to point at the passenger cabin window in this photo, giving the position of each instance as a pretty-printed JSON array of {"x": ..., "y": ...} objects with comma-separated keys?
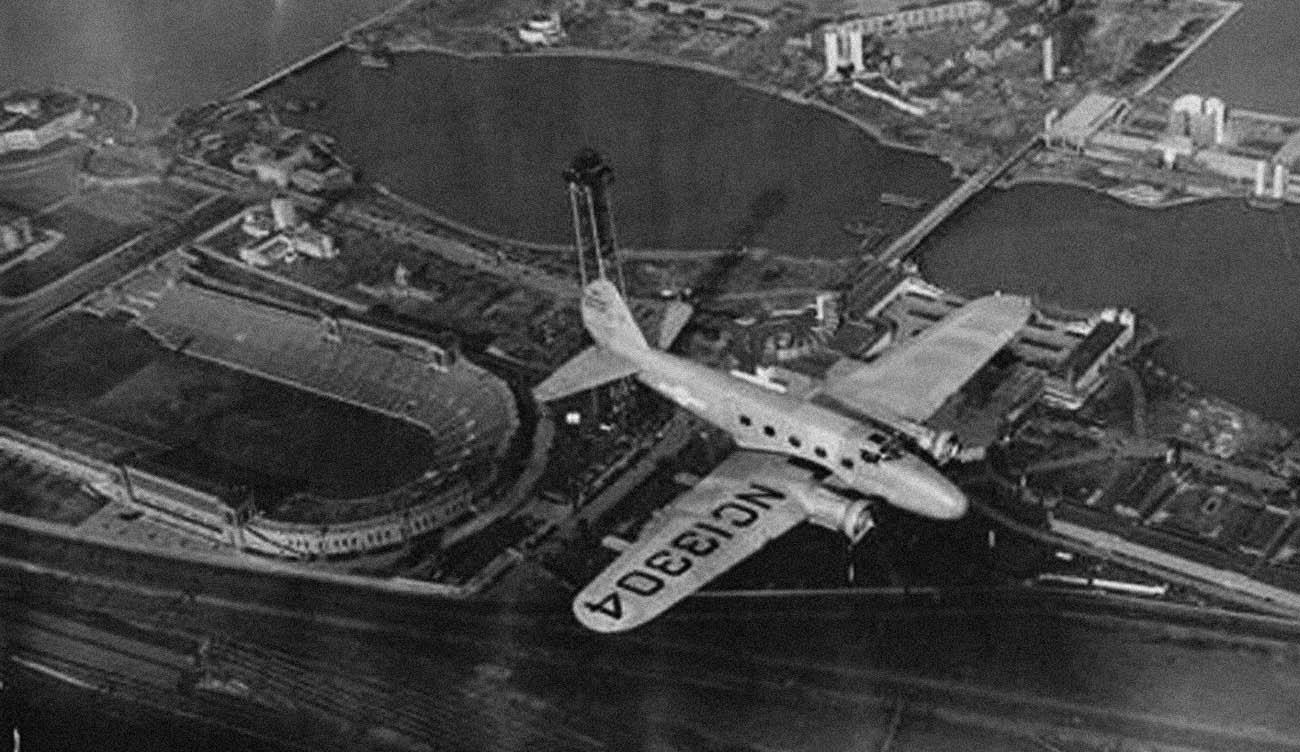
[
  {"x": 795, "y": 442},
  {"x": 745, "y": 421},
  {"x": 847, "y": 463},
  {"x": 769, "y": 431},
  {"x": 868, "y": 456},
  {"x": 820, "y": 452}
]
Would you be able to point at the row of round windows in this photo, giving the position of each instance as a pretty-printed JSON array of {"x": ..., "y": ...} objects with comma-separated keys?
[{"x": 797, "y": 443}]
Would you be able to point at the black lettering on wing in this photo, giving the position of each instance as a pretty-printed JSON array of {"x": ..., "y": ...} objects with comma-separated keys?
[
  {"x": 758, "y": 495},
  {"x": 664, "y": 561},
  {"x": 640, "y": 583},
  {"x": 695, "y": 544},
  {"x": 738, "y": 515},
  {"x": 610, "y": 606}
]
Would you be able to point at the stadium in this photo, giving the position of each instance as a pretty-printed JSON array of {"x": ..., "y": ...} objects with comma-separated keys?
[{"x": 439, "y": 475}]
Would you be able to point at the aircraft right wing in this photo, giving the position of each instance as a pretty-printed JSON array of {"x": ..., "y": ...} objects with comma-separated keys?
[
  {"x": 914, "y": 378},
  {"x": 729, "y": 515}
]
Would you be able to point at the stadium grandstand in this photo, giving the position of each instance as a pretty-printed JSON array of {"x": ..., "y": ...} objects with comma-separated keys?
[{"x": 470, "y": 412}]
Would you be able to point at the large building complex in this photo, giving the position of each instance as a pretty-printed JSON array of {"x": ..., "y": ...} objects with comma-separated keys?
[
  {"x": 1194, "y": 144},
  {"x": 843, "y": 38}
]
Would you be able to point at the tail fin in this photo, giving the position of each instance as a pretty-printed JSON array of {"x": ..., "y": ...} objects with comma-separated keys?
[
  {"x": 675, "y": 317},
  {"x": 608, "y": 319}
]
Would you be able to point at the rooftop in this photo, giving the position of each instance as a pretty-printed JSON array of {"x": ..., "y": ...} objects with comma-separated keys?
[
  {"x": 1085, "y": 118},
  {"x": 1102, "y": 336}
]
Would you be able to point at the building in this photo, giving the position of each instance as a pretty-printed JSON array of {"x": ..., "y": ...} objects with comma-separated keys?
[
  {"x": 883, "y": 17},
  {"x": 1085, "y": 119},
  {"x": 542, "y": 30},
  {"x": 1081, "y": 374},
  {"x": 719, "y": 16},
  {"x": 29, "y": 122},
  {"x": 301, "y": 161},
  {"x": 309, "y": 241},
  {"x": 1203, "y": 120},
  {"x": 843, "y": 52},
  {"x": 283, "y": 213},
  {"x": 16, "y": 232},
  {"x": 843, "y": 39},
  {"x": 273, "y": 249},
  {"x": 258, "y": 223}
]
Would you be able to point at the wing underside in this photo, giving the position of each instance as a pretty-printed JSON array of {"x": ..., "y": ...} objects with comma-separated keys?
[
  {"x": 729, "y": 515},
  {"x": 913, "y": 379}
]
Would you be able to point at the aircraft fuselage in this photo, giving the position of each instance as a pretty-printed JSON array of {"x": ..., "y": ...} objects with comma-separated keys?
[{"x": 859, "y": 455}]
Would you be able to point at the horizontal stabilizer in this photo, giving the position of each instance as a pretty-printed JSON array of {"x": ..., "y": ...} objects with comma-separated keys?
[
  {"x": 675, "y": 317},
  {"x": 588, "y": 369}
]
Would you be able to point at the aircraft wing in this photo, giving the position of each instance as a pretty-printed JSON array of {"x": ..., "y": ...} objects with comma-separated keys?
[
  {"x": 730, "y": 514},
  {"x": 915, "y": 377}
]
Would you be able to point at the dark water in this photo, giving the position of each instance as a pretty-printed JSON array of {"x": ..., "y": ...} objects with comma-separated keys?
[
  {"x": 1220, "y": 278},
  {"x": 165, "y": 54},
  {"x": 699, "y": 161},
  {"x": 1252, "y": 61}
]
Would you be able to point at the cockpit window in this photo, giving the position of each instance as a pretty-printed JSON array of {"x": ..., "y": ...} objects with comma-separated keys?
[{"x": 889, "y": 448}]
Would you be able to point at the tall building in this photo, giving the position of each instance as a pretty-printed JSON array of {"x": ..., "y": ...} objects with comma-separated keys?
[
  {"x": 1203, "y": 120},
  {"x": 843, "y": 52},
  {"x": 1050, "y": 58}
]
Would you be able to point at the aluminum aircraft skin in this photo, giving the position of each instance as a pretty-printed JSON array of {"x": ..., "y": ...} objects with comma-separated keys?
[{"x": 864, "y": 429}]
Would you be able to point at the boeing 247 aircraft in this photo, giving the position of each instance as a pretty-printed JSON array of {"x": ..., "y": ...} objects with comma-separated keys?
[{"x": 814, "y": 458}]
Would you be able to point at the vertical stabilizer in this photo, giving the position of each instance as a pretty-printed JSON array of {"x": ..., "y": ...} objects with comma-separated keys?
[{"x": 608, "y": 319}]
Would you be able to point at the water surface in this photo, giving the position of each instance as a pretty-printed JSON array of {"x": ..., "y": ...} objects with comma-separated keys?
[
  {"x": 699, "y": 161},
  {"x": 165, "y": 54}
]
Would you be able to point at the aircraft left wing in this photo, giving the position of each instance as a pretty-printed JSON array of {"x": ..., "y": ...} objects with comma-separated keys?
[
  {"x": 729, "y": 515},
  {"x": 913, "y": 379}
]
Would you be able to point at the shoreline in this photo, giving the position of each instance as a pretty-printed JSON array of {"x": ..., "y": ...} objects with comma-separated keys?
[
  {"x": 348, "y": 39},
  {"x": 329, "y": 49},
  {"x": 1016, "y": 181}
]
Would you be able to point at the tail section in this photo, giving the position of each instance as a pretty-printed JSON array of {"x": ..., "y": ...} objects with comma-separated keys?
[
  {"x": 609, "y": 320},
  {"x": 619, "y": 342},
  {"x": 589, "y": 369},
  {"x": 675, "y": 317}
]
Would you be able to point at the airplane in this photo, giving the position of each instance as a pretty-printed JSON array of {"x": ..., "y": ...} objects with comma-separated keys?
[{"x": 815, "y": 458}]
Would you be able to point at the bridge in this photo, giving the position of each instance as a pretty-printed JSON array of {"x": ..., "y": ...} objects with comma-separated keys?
[{"x": 905, "y": 244}]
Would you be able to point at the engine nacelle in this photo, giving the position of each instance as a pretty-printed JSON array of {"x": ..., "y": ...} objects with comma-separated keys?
[
  {"x": 830, "y": 510},
  {"x": 941, "y": 445}
]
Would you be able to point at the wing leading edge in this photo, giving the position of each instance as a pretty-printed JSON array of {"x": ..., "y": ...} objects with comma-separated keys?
[
  {"x": 729, "y": 515},
  {"x": 913, "y": 379}
]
